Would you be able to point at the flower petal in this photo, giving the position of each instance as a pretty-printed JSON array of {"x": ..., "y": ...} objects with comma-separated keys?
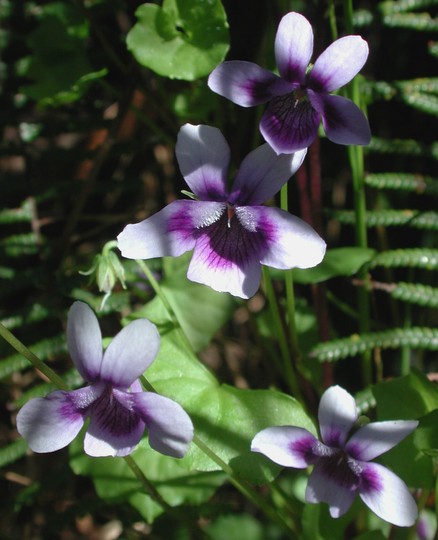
[
  {"x": 130, "y": 353},
  {"x": 289, "y": 124},
  {"x": 293, "y": 47},
  {"x": 293, "y": 243},
  {"x": 387, "y": 495},
  {"x": 115, "y": 428},
  {"x": 343, "y": 121},
  {"x": 321, "y": 488},
  {"x": 169, "y": 426},
  {"x": 166, "y": 233},
  {"x": 246, "y": 83},
  {"x": 338, "y": 64},
  {"x": 84, "y": 340},
  {"x": 376, "y": 438},
  {"x": 51, "y": 423},
  {"x": 203, "y": 156},
  {"x": 286, "y": 445},
  {"x": 337, "y": 413},
  {"x": 262, "y": 173}
]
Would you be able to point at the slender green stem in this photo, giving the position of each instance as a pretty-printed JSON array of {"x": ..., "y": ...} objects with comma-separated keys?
[{"x": 33, "y": 359}]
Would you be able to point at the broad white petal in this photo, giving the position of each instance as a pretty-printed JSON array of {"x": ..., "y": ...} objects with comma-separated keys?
[
  {"x": 376, "y": 438},
  {"x": 387, "y": 495},
  {"x": 84, "y": 340},
  {"x": 337, "y": 413},
  {"x": 130, "y": 353},
  {"x": 286, "y": 445}
]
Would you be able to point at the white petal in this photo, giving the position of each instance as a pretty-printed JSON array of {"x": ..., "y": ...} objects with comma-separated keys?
[
  {"x": 84, "y": 340},
  {"x": 387, "y": 496},
  {"x": 128, "y": 355},
  {"x": 376, "y": 438},
  {"x": 286, "y": 445},
  {"x": 337, "y": 413},
  {"x": 321, "y": 488}
]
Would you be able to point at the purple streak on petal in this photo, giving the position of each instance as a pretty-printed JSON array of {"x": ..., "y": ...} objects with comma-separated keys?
[
  {"x": 343, "y": 121},
  {"x": 338, "y": 64},
  {"x": 169, "y": 426},
  {"x": 261, "y": 175},
  {"x": 246, "y": 83},
  {"x": 387, "y": 495},
  {"x": 286, "y": 445},
  {"x": 84, "y": 340},
  {"x": 293, "y": 47},
  {"x": 337, "y": 413},
  {"x": 293, "y": 243},
  {"x": 376, "y": 438},
  {"x": 51, "y": 423},
  {"x": 166, "y": 233},
  {"x": 203, "y": 156},
  {"x": 115, "y": 428},
  {"x": 130, "y": 353},
  {"x": 289, "y": 123}
]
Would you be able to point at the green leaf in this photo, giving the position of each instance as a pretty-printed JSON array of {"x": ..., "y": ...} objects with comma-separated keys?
[
  {"x": 12, "y": 452},
  {"x": 337, "y": 262},
  {"x": 183, "y": 39},
  {"x": 236, "y": 527}
]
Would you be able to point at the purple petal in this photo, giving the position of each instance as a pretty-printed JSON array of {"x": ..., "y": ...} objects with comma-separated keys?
[
  {"x": 130, "y": 353},
  {"x": 169, "y": 426},
  {"x": 343, "y": 121},
  {"x": 293, "y": 243},
  {"x": 166, "y": 233},
  {"x": 290, "y": 123},
  {"x": 338, "y": 64},
  {"x": 51, "y": 423},
  {"x": 115, "y": 428},
  {"x": 286, "y": 445},
  {"x": 84, "y": 340},
  {"x": 262, "y": 173},
  {"x": 246, "y": 84},
  {"x": 337, "y": 413},
  {"x": 293, "y": 47},
  {"x": 203, "y": 156},
  {"x": 331, "y": 490},
  {"x": 387, "y": 496},
  {"x": 376, "y": 438}
]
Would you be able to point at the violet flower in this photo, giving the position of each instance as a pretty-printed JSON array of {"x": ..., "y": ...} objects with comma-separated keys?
[
  {"x": 342, "y": 466},
  {"x": 299, "y": 97},
  {"x": 118, "y": 409},
  {"x": 231, "y": 233}
]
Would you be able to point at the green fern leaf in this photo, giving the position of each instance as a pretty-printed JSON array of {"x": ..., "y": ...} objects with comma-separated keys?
[
  {"x": 390, "y": 7},
  {"x": 12, "y": 452},
  {"x": 391, "y": 218},
  {"x": 416, "y": 183},
  {"x": 415, "y": 293},
  {"x": 407, "y": 147},
  {"x": 421, "y": 22},
  {"x": 414, "y": 258}
]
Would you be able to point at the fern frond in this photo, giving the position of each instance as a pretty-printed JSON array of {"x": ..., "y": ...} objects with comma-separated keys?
[
  {"x": 426, "y": 103},
  {"x": 12, "y": 452},
  {"x": 407, "y": 147},
  {"x": 16, "y": 215},
  {"x": 391, "y": 218},
  {"x": 417, "y": 183},
  {"x": 37, "y": 313},
  {"x": 414, "y": 258},
  {"x": 416, "y": 338},
  {"x": 401, "y": 6},
  {"x": 20, "y": 244},
  {"x": 415, "y": 293},
  {"x": 433, "y": 48},
  {"x": 421, "y": 22}
]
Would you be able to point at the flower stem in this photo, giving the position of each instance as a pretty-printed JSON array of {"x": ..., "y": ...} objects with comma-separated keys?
[{"x": 33, "y": 359}]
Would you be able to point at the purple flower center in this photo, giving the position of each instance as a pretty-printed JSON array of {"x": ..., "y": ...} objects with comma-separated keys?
[
  {"x": 340, "y": 468},
  {"x": 112, "y": 415}
]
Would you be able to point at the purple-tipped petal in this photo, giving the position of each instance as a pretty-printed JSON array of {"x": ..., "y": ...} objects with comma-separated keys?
[
  {"x": 293, "y": 243},
  {"x": 286, "y": 445},
  {"x": 387, "y": 495},
  {"x": 130, "y": 353},
  {"x": 331, "y": 490},
  {"x": 84, "y": 340},
  {"x": 338, "y": 64},
  {"x": 115, "y": 428},
  {"x": 343, "y": 121},
  {"x": 262, "y": 173},
  {"x": 293, "y": 47},
  {"x": 203, "y": 156},
  {"x": 169, "y": 426},
  {"x": 51, "y": 423},
  {"x": 336, "y": 414},
  {"x": 289, "y": 124},
  {"x": 166, "y": 233},
  {"x": 376, "y": 438},
  {"x": 246, "y": 83}
]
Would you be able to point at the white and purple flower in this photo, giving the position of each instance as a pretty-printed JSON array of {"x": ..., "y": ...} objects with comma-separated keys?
[
  {"x": 114, "y": 402},
  {"x": 342, "y": 466},
  {"x": 230, "y": 231},
  {"x": 299, "y": 97}
]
